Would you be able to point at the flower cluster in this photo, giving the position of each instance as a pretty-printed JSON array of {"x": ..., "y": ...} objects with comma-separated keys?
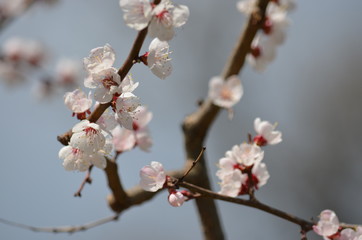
[
  {"x": 88, "y": 146},
  {"x": 154, "y": 178},
  {"x": 161, "y": 20},
  {"x": 263, "y": 48},
  {"x": 123, "y": 127},
  {"x": 242, "y": 169},
  {"x": 329, "y": 227}
]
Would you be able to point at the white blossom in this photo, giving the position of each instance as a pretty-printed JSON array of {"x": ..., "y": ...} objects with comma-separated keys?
[
  {"x": 225, "y": 93},
  {"x": 88, "y": 137},
  {"x": 106, "y": 83},
  {"x": 137, "y": 13},
  {"x": 165, "y": 17},
  {"x": 153, "y": 177},
  {"x": 78, "y": 102},
  {"x": 231, "y": 183},
  {"x": 99, "y": 59},
  {"x": 123, "y": 139},
  {"x": 247, "y": 154},
  {"x": 176, "y": 198},
  {"x": 278, "y": 22},
  {"x": 67, "y": 72},
  {"x": 75, "y": 159},
  {"x": 260, "y": 173},
  {"x": 158, "y": 58},
  {"x": 266, "y": 133},
  {"x": 328, "y": 223},
  {"x": 107, "y": 121},
  {"x": 262, "y": 53},
  {"x": 126, "y": 104}
]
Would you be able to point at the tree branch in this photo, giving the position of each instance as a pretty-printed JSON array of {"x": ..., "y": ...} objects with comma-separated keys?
[
  {"x": 65, "y": 229},
  {"x": 254, "y": 203},
  {"x": 196, "y": 125},
  {"x": 123, "y": 71}
]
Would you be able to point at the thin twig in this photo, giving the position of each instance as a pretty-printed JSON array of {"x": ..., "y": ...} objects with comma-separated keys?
[
  {"x": 192, "y": 166},
  {"x": 304, "y": 224},
  {"x": 64, "y": 229},
  {"x": 87, "y": 179}
]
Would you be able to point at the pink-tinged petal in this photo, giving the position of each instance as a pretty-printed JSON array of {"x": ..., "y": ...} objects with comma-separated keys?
[
  {"x": 152, "y": 177},
  {"x": 123, "y": 139},
  {"x": 232, "y": 182},
  {"x": 328, "y": 223},
  {"x": 176, "y": 199}
]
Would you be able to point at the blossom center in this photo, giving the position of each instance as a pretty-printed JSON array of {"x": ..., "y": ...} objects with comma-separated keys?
[
  {"x": 165, "y": 18},
  {"x": 225, "y": 93},
  {"x": 90, "y": 131},
  {"x": 260, "y": 140},
  {"x": 108, "y": 82}
]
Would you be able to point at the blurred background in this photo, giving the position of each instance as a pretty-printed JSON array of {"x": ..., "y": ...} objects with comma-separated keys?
[{"x": 313, "y": 90}]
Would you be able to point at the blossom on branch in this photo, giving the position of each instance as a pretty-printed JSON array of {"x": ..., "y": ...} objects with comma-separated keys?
[
  {"x": 157, "y": 58},
  {"x": 328, "y": 224},
  {"x": 236, "y": 165},
  {"x": 176, "y": 198},
  {"x": 75, "y": 159},
  {"x": 78, "y": 103},
  {"x": 225, "y": 93},
  {"x": 137, "y": 13},
  {"x": 153, "y": 177},
  {"x": 165, "y": 17},
  {"x": 88, "y": 137},
  {"x": 99, "y": 59},
  {"x": 266, "y": 134},
  {"x": 126, "y": 105}
]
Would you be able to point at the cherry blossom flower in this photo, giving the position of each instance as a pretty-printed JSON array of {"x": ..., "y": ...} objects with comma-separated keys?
[
  {"x": 266, "y": 134},
  {"x": 123, "y": 139},
  {"x": 78, "y": 103},
  {"x": 67, "y": 72},
  {"x": 88, "y": 137},
  {"x": 107, "y": 83},
  {"x": 107, "y": 121},
  {"x": 158, "y": 58},
  {"x": 99, "y": 59},
  {"x": 176, "y": 198},
  {"x": 166, "y": 17},
  {"x": 225, "y": 93},
  {"x": 260, "y": 174},
  {"x": 231, "y": 183},
  {"x": 328, "y": 223},
  {"x": 137, "y": 13},
  {"x": 246, "y": 154},
  {"x": 262, "y": 53},
  {"x": 153, "y": 177},
  {"x": 126, "y": 104},
  {"x": 75, "y": 159},
  {"x": 275, "y": 24}
]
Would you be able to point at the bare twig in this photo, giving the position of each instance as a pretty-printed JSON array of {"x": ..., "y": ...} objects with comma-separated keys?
[
  {"x": 87, "y": 179},
  {"x": 192, "y": 166},
  {"x": 64, "y": 229},
  {"x": 205, "y": 193}
]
